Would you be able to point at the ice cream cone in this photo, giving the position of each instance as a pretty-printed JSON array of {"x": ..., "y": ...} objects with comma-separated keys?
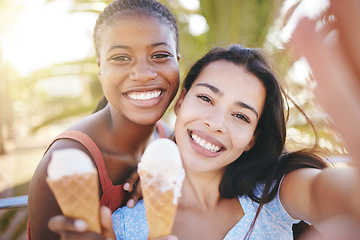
[
  {"x": 162, "y": 175},
  {"x": 78, "y": 197},
  {"x": 74, "y": 182},
  {"x": 160, "y": 206}
]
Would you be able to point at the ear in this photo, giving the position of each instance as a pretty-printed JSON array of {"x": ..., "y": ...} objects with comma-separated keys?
[
  {"x": 98, "y": 63},
  {"x": 179, "y": 101},
  {"x": 252, "y": 141}
]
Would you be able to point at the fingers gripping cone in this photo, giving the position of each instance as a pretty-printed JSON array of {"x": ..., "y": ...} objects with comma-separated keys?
[
  {"x": 161, "y": 175},
  {"x": 74, "y": 182}
]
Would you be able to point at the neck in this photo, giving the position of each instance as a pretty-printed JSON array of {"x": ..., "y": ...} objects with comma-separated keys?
[
  {"x": 201, "y": 190},
  {"x": 126, "y": 135}
]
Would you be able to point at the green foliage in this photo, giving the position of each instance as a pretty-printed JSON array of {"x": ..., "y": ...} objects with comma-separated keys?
[
  {"x": 15, "y": 231},
  {"x": 20, "y": 229},
  {"x": 6, "y": 219},
  {"x": 238, "y": 21},
  {"x": 64, "y": 114}
]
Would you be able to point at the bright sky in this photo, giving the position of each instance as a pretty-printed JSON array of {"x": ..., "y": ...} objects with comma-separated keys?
[{"x": 47, "y": 33}]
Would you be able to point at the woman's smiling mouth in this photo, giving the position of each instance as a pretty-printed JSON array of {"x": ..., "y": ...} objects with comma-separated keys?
[
  {"x": 146, "y": 95},
  {"x": 204, "y": 143}
]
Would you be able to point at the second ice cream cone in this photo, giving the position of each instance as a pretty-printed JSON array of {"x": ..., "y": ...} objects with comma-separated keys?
[
  {"x": 160, "y": 206},
  {"x": 162, "y": 175}
]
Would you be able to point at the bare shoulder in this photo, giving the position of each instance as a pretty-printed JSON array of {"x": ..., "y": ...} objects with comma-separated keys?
[
  {"x": 313, "y": 195},
  {"x": 96, "y": 126},
  {"x": 298, "y": 177},
  {"x": 297, "y": 182},
  {"x": 295, "y": 192}
]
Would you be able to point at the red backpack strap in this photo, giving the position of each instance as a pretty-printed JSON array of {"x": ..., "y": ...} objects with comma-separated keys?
[{"x": 94, "y": 151}]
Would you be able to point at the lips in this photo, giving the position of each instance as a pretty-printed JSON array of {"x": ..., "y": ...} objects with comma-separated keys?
[
  {"x": 204, "y": 144},
  {"x": 144, "y": 95}
]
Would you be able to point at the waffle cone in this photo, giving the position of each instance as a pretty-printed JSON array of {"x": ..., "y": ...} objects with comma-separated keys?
[
  {"x": 78, "y": 197},
  {"x": 160, "y": 207}
]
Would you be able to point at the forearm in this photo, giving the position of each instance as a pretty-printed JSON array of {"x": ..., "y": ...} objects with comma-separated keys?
[
  {"x": 40, "y": 210},
  {"x": 315, "y": 195},
  {"x": 335, "y": 191}
]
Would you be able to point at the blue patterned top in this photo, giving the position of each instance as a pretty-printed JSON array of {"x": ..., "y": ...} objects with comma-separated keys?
[{"x": 272, "y": 223}]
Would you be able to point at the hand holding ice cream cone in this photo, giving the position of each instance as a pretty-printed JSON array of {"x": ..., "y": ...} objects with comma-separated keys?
[{"x": 74, "y": 181}]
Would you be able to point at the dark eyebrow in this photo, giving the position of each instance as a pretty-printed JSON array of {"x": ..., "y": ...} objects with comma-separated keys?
[
  {"x": 220, "y": 93},
  {"x": 212, "y": 88},
  {"x": 244, "y": 105},
  {"x": 118, "y": 46},
  {"x": 126, "y": 47},
  {"x": 159, "y": 44}
]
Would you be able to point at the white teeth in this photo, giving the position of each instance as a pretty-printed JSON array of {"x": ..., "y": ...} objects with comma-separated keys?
[
  {"x": 205, "y": 144},
  {"x": 144, "y": 95}
]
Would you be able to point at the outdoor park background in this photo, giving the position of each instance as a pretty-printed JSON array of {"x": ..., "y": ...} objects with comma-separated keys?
[{"x": 48, "y": 76}]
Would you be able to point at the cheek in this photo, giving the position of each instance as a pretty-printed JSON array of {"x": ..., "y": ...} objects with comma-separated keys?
[
  {"x": 106, "y": 73},
  {"x": 180, "y": 129},
  {"x": 185, "y": 115},
  {"x": 241, "y": 138},
  {"x": 114, "y": 75},
  {"x": 171, "y": 72}
]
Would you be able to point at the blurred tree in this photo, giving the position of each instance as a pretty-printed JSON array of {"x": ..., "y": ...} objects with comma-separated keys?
[
  {"x": 228, "y": 21},
  {"x": 2, "y": 103},
  {"x": 8, "y": 15},
  {"x": 62, "y": 103},
  {"x": 238, "y": 21}
]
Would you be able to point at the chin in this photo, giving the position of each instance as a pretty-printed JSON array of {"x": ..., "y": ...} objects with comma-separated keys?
[{"x": 146, "y": 119}]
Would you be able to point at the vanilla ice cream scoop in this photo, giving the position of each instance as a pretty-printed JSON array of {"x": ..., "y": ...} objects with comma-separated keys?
[
  {"x": 162, "y": 160},
  {"x": 67, "y": 162}
]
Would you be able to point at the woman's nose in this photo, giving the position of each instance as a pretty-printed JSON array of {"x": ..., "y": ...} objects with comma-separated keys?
[
  {"x": 215, "y": 122},
  {"x": 143, "y": 71}
]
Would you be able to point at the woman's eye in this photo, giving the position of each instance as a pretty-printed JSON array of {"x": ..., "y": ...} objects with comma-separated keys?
[
  {"x": 205, "y": 98},
  {"x": 242, "y": 117},
  {"x": 120, "y": 58},
  {"x": 161, "y": 56}
]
